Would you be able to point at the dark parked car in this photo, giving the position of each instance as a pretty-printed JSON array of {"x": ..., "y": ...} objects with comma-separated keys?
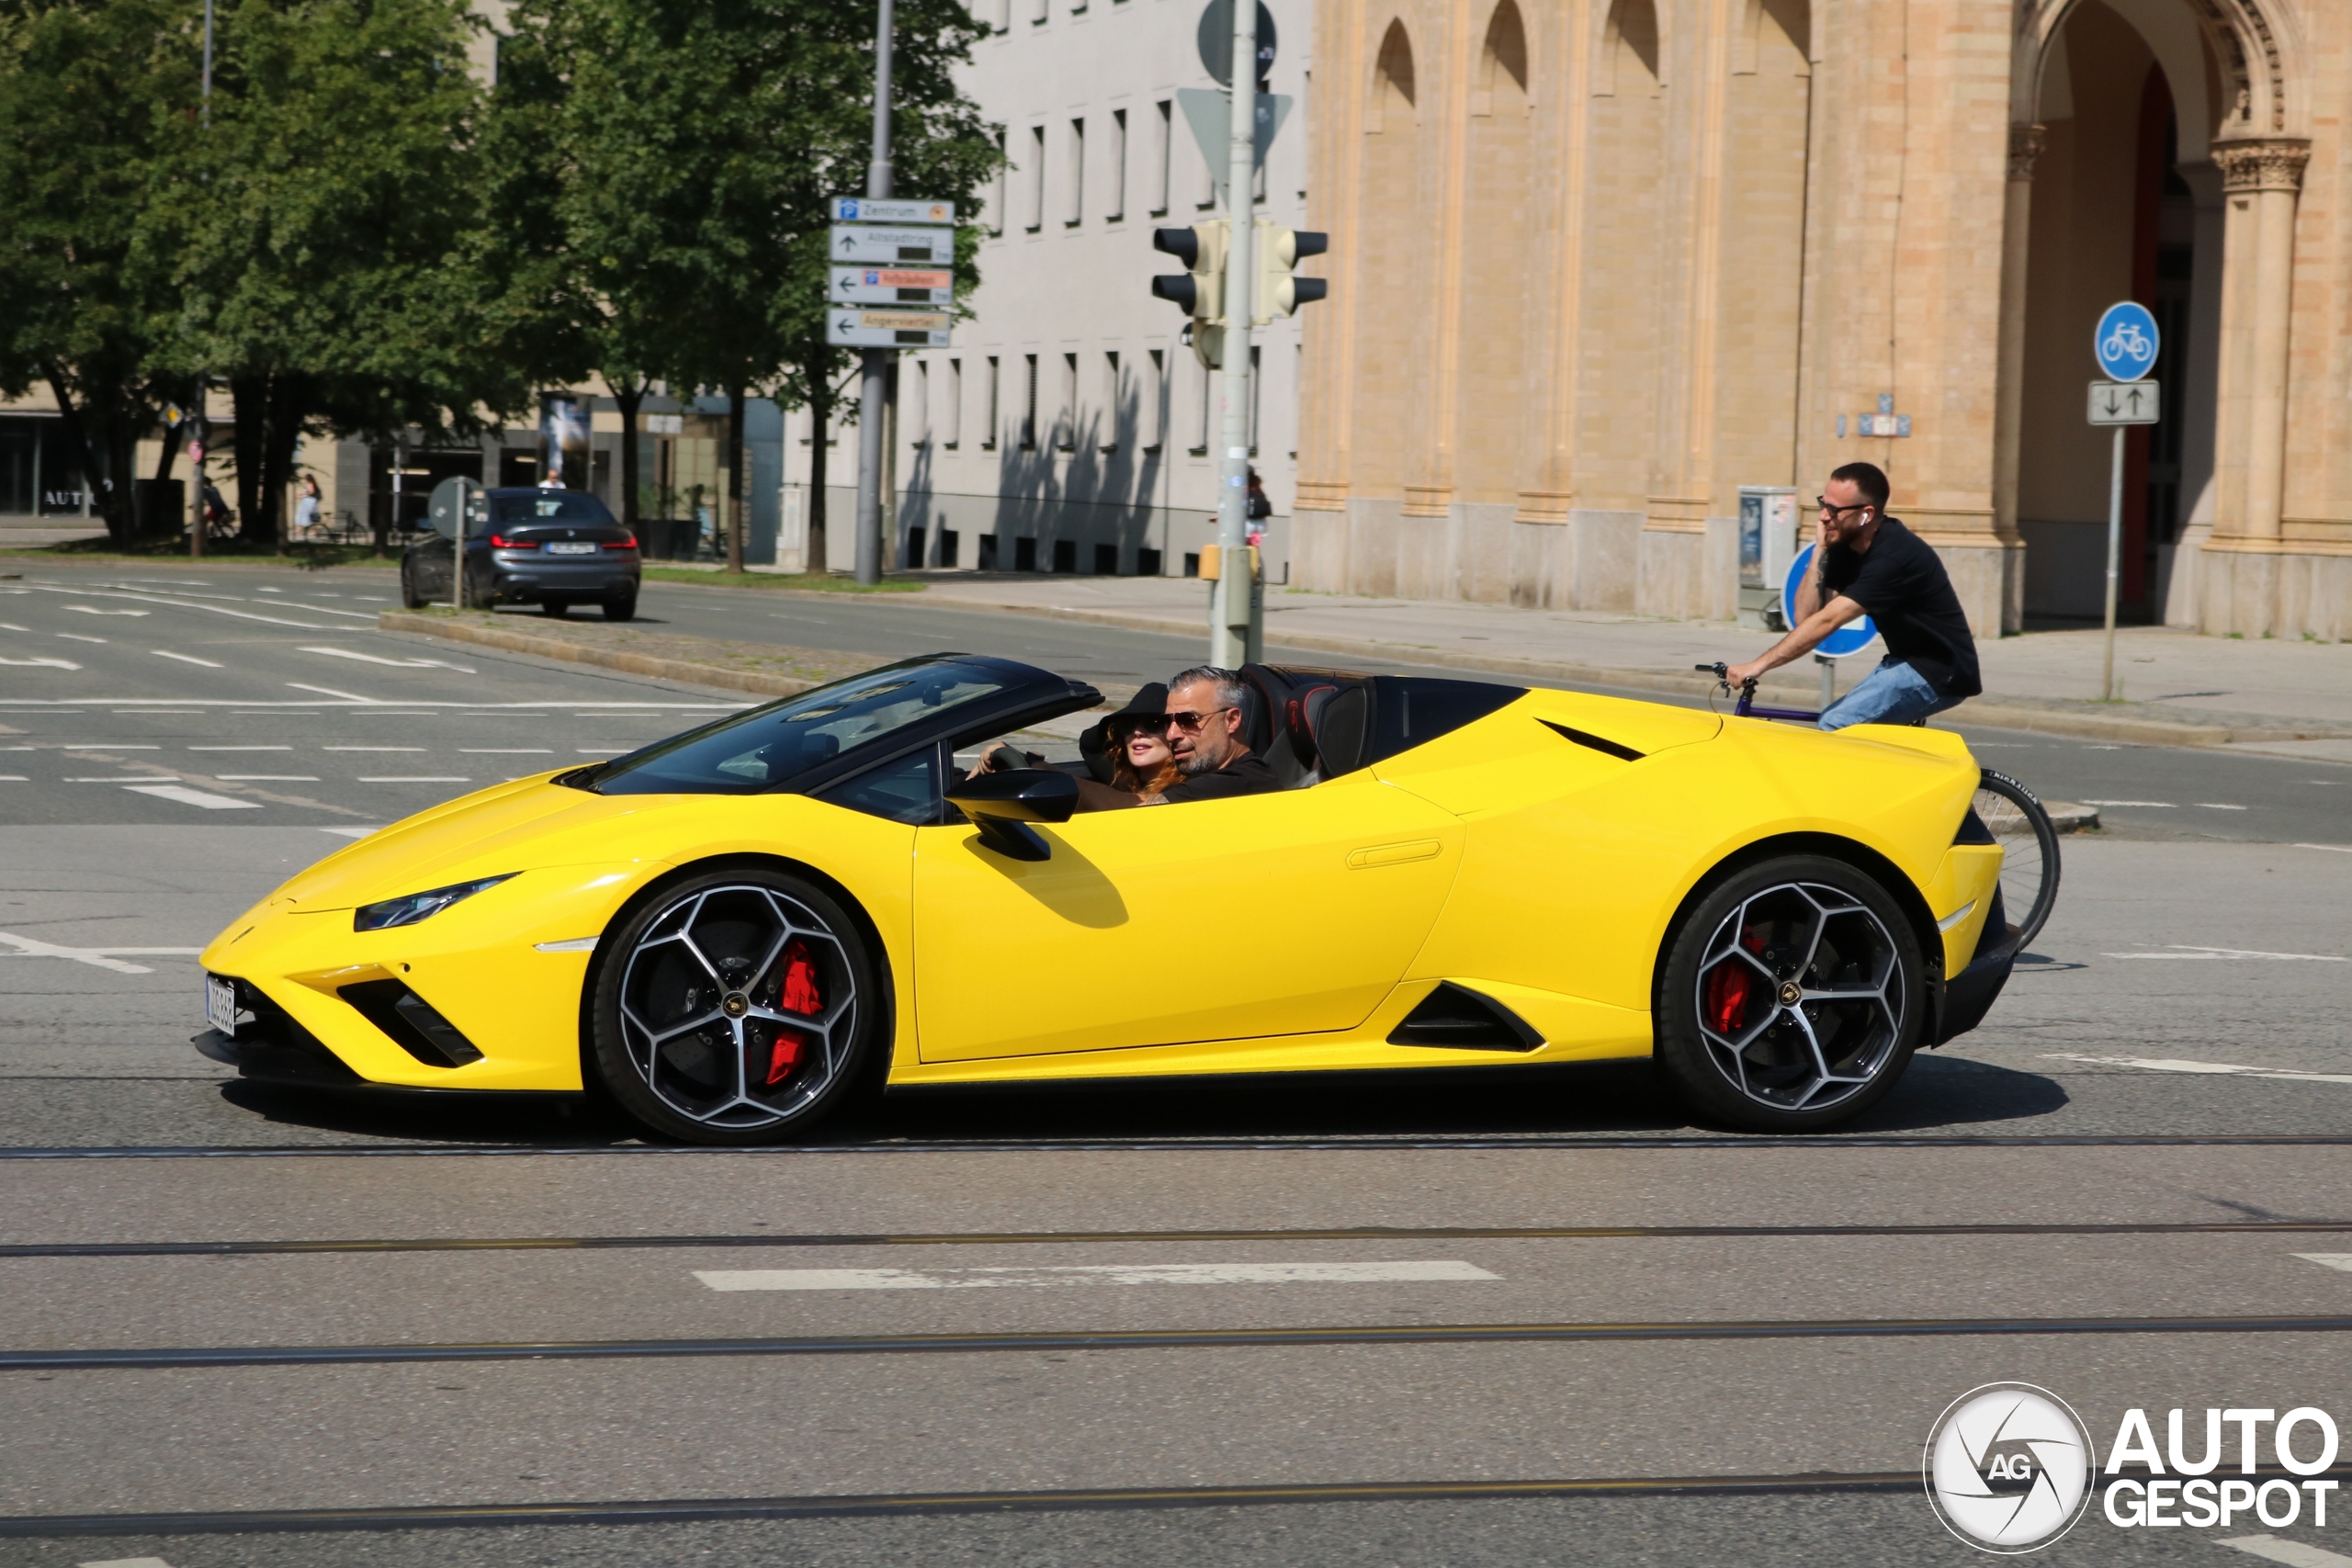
[{"x": 554, "y": 549}]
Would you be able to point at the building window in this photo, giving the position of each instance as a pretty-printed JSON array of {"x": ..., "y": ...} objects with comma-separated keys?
[
  {"x": 987, "y": 552},
  {"x": 1076, "y": 213},
  {"x": 988, "y": 431},
  {"x": 1114, "y": 410},
  {"x": 1025, "y": 555},
  {"x": 997, "y": 188},
  {"x": 1065, "y": 555},
  {"x": 1257, "y": 379},
  {"x": 1115, "y": 200},
  {"x": 950, "y": 544},
  {"x": 1208, "y": 183},
  {"x": 1001, "y": 15},
  {"x": 1039, "y": 11},
  {"x": 1066, "y": 425},
  {"x": 1152, "y": 407},
  {"x": 1163, "y": 143},
  {"x": 1147, "y": 563},
  {"x": 954, "y": 430},
  {"x": 919, "y": 427},
  {"x": 1036, "y": 172},
  {"x": 1029, "y": 402},
  {"x": 1106, "y": 560},
  {"x": 1200, "y": 447}
]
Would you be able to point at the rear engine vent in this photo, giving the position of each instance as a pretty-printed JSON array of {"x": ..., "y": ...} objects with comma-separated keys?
[
  {"x": 1583, "y": 738},
  {"x": 1466, "y": 1020},
  {"x": 1972, "y": 831},
  {"x": 414, "y": 1026}
]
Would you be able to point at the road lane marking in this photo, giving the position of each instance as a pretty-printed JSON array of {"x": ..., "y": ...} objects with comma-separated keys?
[
  {"x": 2293, "y": 1553},
  {"x": 93, "y": 610},
  {"x": 183, "y": 658},
  {"x": 77, "y": 637},
  {"x": 13, "y": 778},
  {"x": 241, "y": 747},
  {"x": 2217, "y": 806},
  {"x": 267, "y": 778},
  {"x": 371, "y": 748},
  {"x": 2173, "y": 1065},
  {"x": 126, "y": 1562},
  {"x": 2156, "y": 804},
  {"x": 42, "y": 663},
  {"x": 2339, "y": 849},
  {"x": 505, "y": 751},
  {"x": 179, "y": 601},
  {"x": 133, "y": 778},
  {"x": 2186, "y": 951},
  {"x": 97, "y": 957},
  {"x": 351, "y": 832},
  {"x": 187, "y": 796},
  {"x": 2329, "y": 1260},
  {"x": 395, "y": 663},
  {"x": 414, "y": 778},
  {"x": 1089, "y": 1274},
  {"x": 330, "y": 692}
]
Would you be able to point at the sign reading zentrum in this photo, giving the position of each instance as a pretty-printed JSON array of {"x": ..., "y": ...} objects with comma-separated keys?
[{"x": 893, "y": 275}]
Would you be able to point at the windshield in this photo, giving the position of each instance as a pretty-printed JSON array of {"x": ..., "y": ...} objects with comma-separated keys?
[
  {"x": 549, "y": 506},
  {"x": 771, "y": 746}
]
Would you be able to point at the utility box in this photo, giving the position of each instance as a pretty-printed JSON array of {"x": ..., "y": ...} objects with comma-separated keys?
[{"x": 1768, "y": 544}]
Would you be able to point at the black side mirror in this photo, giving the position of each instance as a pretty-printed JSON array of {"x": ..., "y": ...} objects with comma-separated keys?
[{"x": 1002, "y": 805}]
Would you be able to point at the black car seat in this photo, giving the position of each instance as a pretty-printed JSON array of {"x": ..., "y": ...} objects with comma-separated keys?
[{"x": 1328, "y": 724}]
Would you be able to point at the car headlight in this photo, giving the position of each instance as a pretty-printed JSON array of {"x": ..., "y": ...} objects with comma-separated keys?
[{"x": 408, "y": 909}]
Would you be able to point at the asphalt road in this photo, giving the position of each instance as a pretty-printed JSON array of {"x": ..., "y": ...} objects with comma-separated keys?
[{"x": 1306, "y": 1320}]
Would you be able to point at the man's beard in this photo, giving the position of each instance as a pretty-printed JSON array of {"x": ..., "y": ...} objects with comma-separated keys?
[{"x": 1194, "y": 762}]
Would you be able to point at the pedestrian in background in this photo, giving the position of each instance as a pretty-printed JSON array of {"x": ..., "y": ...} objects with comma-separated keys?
[{"x": 306, "y": 509}]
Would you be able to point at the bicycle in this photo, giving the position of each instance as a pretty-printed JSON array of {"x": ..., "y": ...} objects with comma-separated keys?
[{"x": 2010, "y": 813}]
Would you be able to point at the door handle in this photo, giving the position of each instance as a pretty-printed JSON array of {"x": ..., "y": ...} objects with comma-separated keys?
[{"x": 1392, "y": 854}]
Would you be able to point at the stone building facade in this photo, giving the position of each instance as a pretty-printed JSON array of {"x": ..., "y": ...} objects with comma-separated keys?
[{"x": 1597, "y": 264}]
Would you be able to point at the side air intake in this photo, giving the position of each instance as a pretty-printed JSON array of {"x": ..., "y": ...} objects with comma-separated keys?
[
  {"x": 412, "y": 1025},
  {"x": 1466, "y": 1020}
]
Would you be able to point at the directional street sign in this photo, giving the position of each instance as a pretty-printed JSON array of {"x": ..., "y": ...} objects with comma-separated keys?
[
  {"x": 1209, "y": 111},
  {"x": 888, "y": 329},
  {"x": 863, "y": 243},
  {"x": 1851, "y": 637},
  {"x": 877, "y": 209},
  {"x": 2126, "y": 402},
  {"x": 2125, "y": 343},
  {"x": 892, "y": 286}
]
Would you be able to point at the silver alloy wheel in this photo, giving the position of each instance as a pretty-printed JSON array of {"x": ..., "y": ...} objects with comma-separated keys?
[
  {"x": 1801, "y": 996},
  {"x": 738, "y": 1006}
]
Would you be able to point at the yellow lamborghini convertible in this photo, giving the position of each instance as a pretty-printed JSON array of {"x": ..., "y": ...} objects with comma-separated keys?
[{"x": 733, "y": 930}]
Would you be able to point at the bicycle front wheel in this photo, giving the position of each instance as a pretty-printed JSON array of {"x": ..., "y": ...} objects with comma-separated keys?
[{"x": 2029, "y": 850}]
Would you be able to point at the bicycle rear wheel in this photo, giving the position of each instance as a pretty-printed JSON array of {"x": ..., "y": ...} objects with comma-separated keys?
[{"x": 2029, "y": 850}]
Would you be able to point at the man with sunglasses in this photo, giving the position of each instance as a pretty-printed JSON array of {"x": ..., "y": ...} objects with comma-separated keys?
[
  {"x": 1205, "y": 707},
  {"x": 1866, "y": 563}
]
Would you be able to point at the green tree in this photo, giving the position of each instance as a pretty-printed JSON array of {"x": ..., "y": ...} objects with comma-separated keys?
[
  {"x": 327, "y": 235},
  {"x": 97, "y": 97}
]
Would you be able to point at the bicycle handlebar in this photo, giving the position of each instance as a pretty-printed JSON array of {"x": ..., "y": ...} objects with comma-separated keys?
[{"x": 1721, "y": 673}]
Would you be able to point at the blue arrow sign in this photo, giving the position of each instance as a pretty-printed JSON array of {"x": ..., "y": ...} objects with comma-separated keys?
[
  {"x": 1851, "y": 637},
  {"x": 2125, "y": 344}
]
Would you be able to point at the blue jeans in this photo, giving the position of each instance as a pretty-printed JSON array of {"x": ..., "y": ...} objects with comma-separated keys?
[{"x": 1891, "y": 693}]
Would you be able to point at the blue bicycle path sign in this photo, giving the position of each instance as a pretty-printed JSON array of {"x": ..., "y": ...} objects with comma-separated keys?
[
  {"x": 1851, "y": 637},
  {"x": 2125, "y": 344}
]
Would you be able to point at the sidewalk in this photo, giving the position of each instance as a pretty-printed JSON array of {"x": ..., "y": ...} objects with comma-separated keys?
[{"x": 2180, "y": 688}]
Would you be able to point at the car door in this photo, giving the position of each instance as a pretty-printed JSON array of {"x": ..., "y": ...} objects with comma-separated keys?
[{"x": 1286, "y": 913}]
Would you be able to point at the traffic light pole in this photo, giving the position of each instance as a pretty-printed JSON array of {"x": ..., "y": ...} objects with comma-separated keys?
[
  {"x": 1236, "y": 634},
  {"x": 873, "y": 390}
]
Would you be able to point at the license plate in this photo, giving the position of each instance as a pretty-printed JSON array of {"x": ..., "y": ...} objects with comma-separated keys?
[
  {"x": 221, "y": 1005},
  {"x": 572, "y": 549}
]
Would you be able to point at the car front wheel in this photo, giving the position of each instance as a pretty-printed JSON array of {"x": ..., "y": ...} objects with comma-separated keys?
[
  {"x": 1792, "y": 998},
  {"x": 621, "y": 606},
  {"x": 738, "y": 1006},
  {"x": 410, "y": 595}
]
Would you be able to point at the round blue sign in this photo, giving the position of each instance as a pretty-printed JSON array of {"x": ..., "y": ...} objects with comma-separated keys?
[
  {"x": 1851, "y": 637},
  {"x": 2125, "y": 344}
]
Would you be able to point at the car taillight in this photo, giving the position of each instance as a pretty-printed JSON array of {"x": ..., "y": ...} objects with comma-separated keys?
[
  {"x": 501, "y": 542},
  {"x": 628, "y": 543}
]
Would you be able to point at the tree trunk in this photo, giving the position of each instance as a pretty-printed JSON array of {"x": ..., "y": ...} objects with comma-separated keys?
[
  {"x": 627, "y": 397},
  {"x": 735, "y": 479},
  {"x": 280, "y": 445},
  {"x": 249, "y": 397},
  {"x": 113, "y": 502},
  {"x": 820, "y": 414}
]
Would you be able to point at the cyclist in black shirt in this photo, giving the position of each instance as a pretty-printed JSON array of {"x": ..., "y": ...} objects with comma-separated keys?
[{"x": 1866, "y": 563}]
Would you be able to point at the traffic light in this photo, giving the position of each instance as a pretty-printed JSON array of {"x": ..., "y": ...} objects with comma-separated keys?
[
  {"x": 1278, "y": 292},
  {"x": 1199, "y": 291}
]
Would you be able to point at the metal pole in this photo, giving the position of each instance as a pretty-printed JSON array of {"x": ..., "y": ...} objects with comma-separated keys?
[
  {"x": 203, "y": 429},
  {"x": 1233, "y": 633},
  {"x": 871, "y": 392},
  {"x": 2114, "y": 560},
  {"x": 1828, "y": 680}
]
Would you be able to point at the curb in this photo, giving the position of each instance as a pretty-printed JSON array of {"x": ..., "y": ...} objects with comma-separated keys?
[
  {"x": 1996, "y": 715},
  {"x": 602, "y": 658}
]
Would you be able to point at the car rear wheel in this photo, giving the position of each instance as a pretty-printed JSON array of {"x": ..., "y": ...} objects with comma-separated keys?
[
  {"x": 621, "y": 606},
  {"x": 1792, "y": 997},
  {"x": 738, "y": 1007},
  {"x": 556, "y": 608},
  {"x": 410, "y": 595}
]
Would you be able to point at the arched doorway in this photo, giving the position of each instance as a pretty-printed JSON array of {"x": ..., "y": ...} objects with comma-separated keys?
[{"x": 1394, "y": 277}]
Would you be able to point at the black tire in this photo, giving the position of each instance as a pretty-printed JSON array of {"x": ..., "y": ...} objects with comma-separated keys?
[
  {"x": 2028, "y": 841},
  {"x": 559, "y": 608},
  {"x": 410, "y": 595},
  {"x": 692, "y": 1060},
  {"x": 621, "y": 606},
  {"x": 1792, "y": 997}
]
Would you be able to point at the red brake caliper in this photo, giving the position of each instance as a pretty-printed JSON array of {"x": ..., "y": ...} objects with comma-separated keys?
[
  {"x": 1728, "y": 990},
  {"x": 800, "y": 995}
]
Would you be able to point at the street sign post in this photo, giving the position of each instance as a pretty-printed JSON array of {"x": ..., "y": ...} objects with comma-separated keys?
[
  {"x": 2124, "y": 345},
  {"x": 906, "y": 286},
  {"x": 888, "y": 329},
  {"x": 452, "y": 513},
  {"x": 862, "y": 245}
]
